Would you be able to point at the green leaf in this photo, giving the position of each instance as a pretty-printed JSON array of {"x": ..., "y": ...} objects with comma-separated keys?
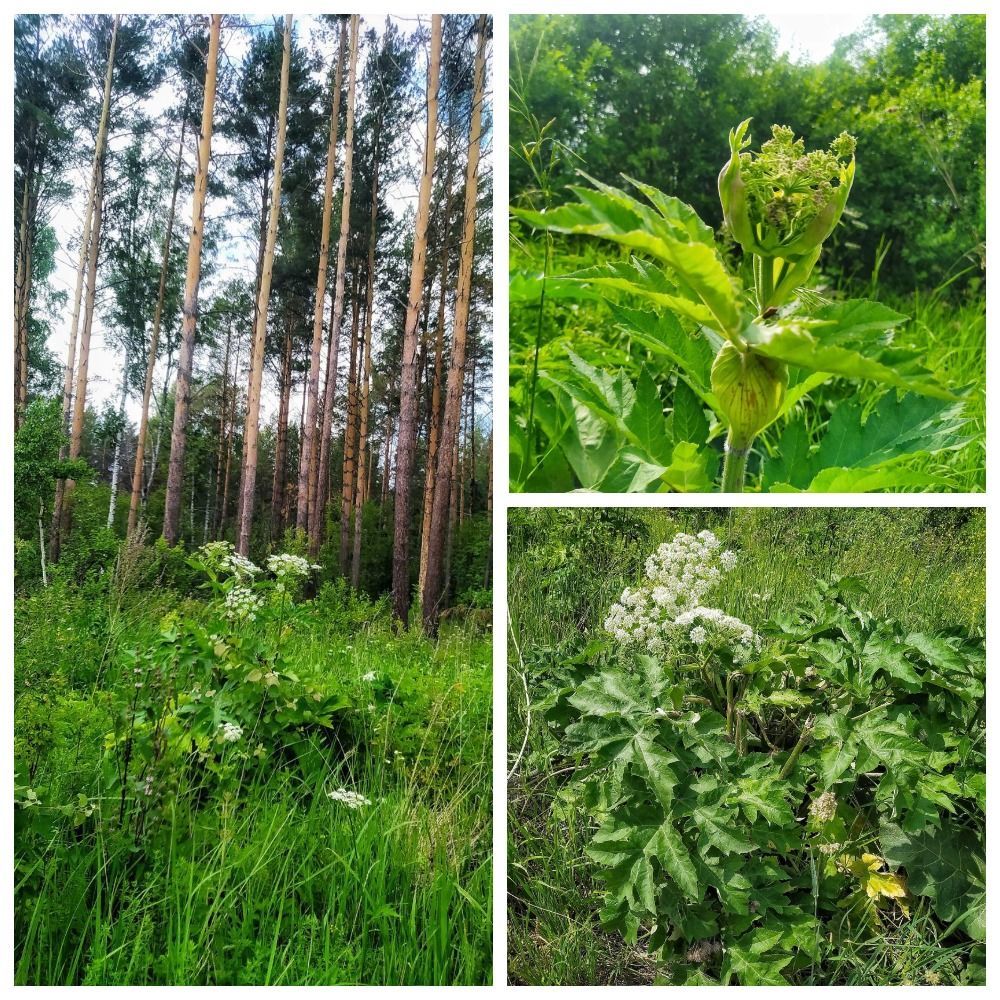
[
  {"x": 527, "y": 289},
  {"x": 662, "y": 334},
  {"x": 717, "y": 829},
  {"x": 687, "y": 419},
  {"x": 669, "y": 849},
  {"x": 669, "y": 234},
  {"x": 947, "y": 866},
  {"x": 895, "y": 428},
  {"x": 589, "y": 443},
  {"x": 646, "y": 424},
  {"x": 817, "y": 346}
]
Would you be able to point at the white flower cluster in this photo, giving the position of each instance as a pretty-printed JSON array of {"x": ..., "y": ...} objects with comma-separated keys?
[
  {"x": 669, "y": 606},
  {"x": 242, "y": 603},
  {"x": 369, "y": 678},
  {"x": 231, "y": 733},
  {"x": 823, "y": 808},
  {"x": 284, "y": 565},
  {"x": 223, "y": 557},
  {"x": 353, "y": 800}
]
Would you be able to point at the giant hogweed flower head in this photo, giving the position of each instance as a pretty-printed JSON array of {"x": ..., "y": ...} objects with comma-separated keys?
[
  {"x": 782, "y": 201},
  {"x": 668, "y": 607}
]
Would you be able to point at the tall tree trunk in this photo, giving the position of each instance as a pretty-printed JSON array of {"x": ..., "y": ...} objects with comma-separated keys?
[
  {"x": 470, "y": 509},
  {"x": 223, "y": 409},
  {"x": 350, "y": 434},
  {"x": 89, "y": 247},
  {"x": 154, "y": 340},
  {"x": 452, "y": 519},
  {"x": 80, "y": 395},
  {"x": 317, "y": 497},
  {"x": 223, "y": 513},
  {"x": 116, "y": 461},
  {"x": 249, "y": 480},
  {"x": 430, "y": 473},
  {"x": 408, "y": 373},
  {"x": 307, "y": 459},
  {"x": 161, "y": 409},
  {"x": 365, "y": 381},
  {"x": 487, "y": 576},
  {"x": 22, "y": 289},
  {"x": 434, "y": 582},
  {"x": 387, "y": 461},
  {"x": 281, "y": 440},
  {"x": 182, "y": 392}
]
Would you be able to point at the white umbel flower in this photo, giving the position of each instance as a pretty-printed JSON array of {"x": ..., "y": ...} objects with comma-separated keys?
[
  {"x": 353, "y": 800},
  {"x": 231, "y": 733}
]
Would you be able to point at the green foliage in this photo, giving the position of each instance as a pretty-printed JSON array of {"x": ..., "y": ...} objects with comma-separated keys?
[
  {"x": 181, "y": 753},
  {"x": 661, "y": 311},
  {"x": 37, "y": 465},
  {"x": 613, "y": 435},
  {"x": 760, "y": 823}
]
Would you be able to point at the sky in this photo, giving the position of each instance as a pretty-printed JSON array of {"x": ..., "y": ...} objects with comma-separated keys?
[
  {"x": 810, "y": 37},
  {"x": 237, "y": 249}
]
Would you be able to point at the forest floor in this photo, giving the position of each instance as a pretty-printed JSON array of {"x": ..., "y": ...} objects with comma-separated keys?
[
  {"x": 925, "y": 568},
  {"x": 299, "y": 799}
]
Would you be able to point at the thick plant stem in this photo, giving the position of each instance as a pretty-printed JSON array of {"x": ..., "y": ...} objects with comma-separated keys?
[{"x": 734, "y": 467}]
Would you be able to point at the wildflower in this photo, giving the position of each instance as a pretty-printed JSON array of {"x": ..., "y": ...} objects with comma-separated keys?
[
  {"x": 231, "y": 732},
  {"x": 369, "y": 677},
  {"x": 242, "y": 603},
  {"x": 824, "y": 808},
  {"x": 679, "y": 575},
  {"x": 782, "y": 201},
  {"x": 353, "y": 800},
  {"x": 285, "y": 565},
  {"x": 932, "y": 978},
  {"x": 830, "y": 849}
]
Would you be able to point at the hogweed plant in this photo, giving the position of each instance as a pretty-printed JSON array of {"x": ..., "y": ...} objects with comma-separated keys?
[
  {"x": 762, "y": 795},
  {"x": 744, "y": 343}
]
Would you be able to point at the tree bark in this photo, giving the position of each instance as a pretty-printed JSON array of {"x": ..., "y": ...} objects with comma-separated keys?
[
  {"x": 182, "y": 392},
  {"x": 281, "y": 440},
  {"x": 406, "y": 448},
  {"x": 80, "y": 397},
  {"x": 359, "y": 498},
  {"x": 221, "y": 451},
  {"x": 154, "y": 341},
  {"x": 223, "y": 512},
  {"x": 116, "y": 460},
  {"x": 22, "y": 291},
  {"x": 89, "y": 246},
  {"x": 434, "y": 582},
  {"x": 307, "y": 458},
  {"x": 350, "y": 432},
  {"x": 435, "y": 406},
  {"x": 317, "y": 497},
  {"x": 249, "y": 480}
]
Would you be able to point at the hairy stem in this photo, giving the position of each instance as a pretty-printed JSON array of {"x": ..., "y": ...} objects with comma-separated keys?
[{"x": 734, "y": 466}]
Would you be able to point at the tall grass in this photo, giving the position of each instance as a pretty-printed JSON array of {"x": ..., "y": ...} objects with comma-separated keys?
[
  {"x": 270, "y": 882},
  {"x": 925, "y": 567}
]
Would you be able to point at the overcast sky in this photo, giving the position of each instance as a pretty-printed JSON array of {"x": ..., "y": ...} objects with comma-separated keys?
[{"x": 810, "y": 37}]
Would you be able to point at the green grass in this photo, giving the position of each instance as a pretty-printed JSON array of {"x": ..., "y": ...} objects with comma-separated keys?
[
  {"x": 262, "y": 880},
  {"x": 925, "y": 567}
]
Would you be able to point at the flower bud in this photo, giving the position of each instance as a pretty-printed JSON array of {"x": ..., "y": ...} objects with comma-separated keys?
[
  {"x": 750, "y": 389},
  {"x": 782, "y": 201}
]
